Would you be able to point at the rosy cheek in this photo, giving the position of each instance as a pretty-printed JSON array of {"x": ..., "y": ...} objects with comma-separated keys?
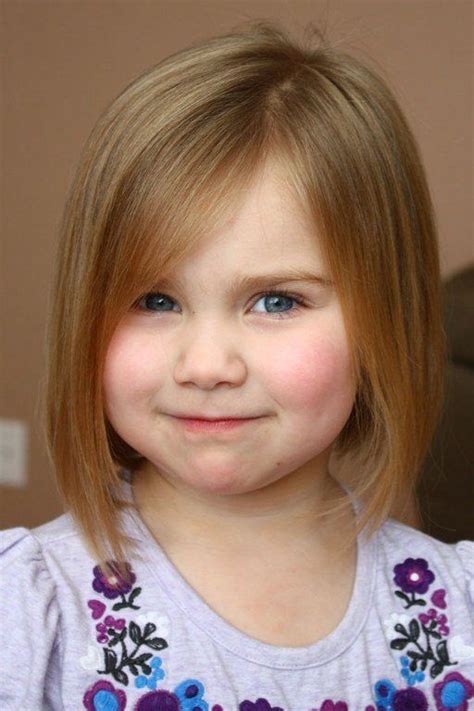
[
  {"x": 129, "y": 365},
  {"x": 306, "y": 373}
]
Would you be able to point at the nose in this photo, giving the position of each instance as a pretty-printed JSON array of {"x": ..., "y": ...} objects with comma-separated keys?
[{"x": 210, "y": 355}]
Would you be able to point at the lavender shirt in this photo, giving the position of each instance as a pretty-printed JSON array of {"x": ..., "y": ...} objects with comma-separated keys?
[{"x": 71, "y": 639}]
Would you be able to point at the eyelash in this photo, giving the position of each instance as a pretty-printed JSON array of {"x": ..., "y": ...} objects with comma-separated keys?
[{"x": 280, "y": 292}]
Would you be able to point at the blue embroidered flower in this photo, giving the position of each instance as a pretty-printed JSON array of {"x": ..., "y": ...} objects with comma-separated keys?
[
  {"x": 453, "y": 692},
  {"x": 405, "y": 672},
  {"x": 384, "y": 693},
  {"x": 150, "y": 681},
  {"x": 190, "y": 694},
  {"x": 104, "y": 697}
]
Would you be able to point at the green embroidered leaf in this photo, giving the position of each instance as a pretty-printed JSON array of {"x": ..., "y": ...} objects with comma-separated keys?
[
  {"x": 400, "y": 628},
  {"x": 149, "y": 629},
  {"x": 436, "y": 635},
  {"x": 402, "y": 595},
  {"x": 119, "y": 606},
  {"x": 436, "y": 669},
  {"x": 134, "y": 594},
  {"x": 121, "y": 677},
  {"x": 118, "y": 638},
  {"x": 399, "y": 643},
  {"x": 156, "y": 643},
  {"x": 133, "y": 669},
  {"x": 142, "y": 658},
  {"x": 414, "y": 630},
  {"x": 110, "y": 660},
  {"x": 442, "y": 650},
  {"x": 146, "y": 669},
  {"x": 135, "y": 633}
]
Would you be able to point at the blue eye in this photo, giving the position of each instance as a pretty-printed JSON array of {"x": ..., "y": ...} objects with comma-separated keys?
[
  {"x": 158, "y": 302},
  {"x": 275, "y": 298},
  {"x": 154, "y": 300}
]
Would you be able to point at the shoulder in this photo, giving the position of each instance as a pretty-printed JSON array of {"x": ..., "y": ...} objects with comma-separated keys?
[
  {"x": 38, "y": 558},
  {"x": 30, "y": 610},
  {"x": 19, "y": 545},
  {"x": 411, "y": 556},
  {"x": 22, "y": 547}
]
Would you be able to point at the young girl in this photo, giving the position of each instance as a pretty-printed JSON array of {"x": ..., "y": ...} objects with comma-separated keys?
[{"x": 247, "y": 284}]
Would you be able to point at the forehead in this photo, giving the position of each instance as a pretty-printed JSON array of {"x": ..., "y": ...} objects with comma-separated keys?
[{"x": 268, "y": 230}]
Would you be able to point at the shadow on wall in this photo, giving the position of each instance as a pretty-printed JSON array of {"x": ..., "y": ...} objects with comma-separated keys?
[{"x": 446, "y": 487}]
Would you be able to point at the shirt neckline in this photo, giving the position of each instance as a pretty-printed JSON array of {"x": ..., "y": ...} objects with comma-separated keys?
[{"x": 199, "y": 613}]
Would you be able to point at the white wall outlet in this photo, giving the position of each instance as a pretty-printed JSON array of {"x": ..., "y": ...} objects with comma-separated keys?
[{"x": 13, "y": 452}]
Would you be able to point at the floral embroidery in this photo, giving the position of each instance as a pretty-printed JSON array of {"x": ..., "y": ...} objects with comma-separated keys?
[
  {"x": 418, "y": 635},
  {"x": 440, "y": 619},
  {"x": 156, "y": 675},
  {"x": 413, "y": 576},
  {"x": 390, "y": 699},
  {"x": 258, "y": 705},
  {"x": 103, "y": 697},
  {"x": 116, "y": 585},
  {"x": 158, "y": 701},
  {"x": 114, "y": 632},
  {"x": 405, "y": 672},
  {"x": 149, "y": 630},
  {"x": 453, "y": 692},
  {"x": 102, "y": 628}
]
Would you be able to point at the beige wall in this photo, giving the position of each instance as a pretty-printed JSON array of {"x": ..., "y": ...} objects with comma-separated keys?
[{"x": 65, "y": 60}]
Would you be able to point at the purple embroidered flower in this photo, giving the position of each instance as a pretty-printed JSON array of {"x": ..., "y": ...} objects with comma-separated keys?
[
  {"x": 333, "y": 706},
  {"x": 118, "y": 624},
  {"x": 258, "y": 705},
  {"x": 103, "y": 696},
  {"x": 453, "y": 692},
  {"x": 440, "y": 620},
  {"x": 413, "y": 575},
  {"x": 158, "y": 701},
  {"x": 409, "y": 700},
  {"x": 114, "y": 585},
  {"x": 190, "y": 693}
]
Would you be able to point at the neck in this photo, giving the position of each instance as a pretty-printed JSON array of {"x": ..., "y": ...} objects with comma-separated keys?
[{"x": 285, "y": 517}]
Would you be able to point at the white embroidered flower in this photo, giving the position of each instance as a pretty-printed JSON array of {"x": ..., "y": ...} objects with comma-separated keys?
[
  {"x": 395, "y": 619},
  {"x": 162, "y": 623},
  {"x": 93, "y": 658},
  {"x": 458, "y": 650}
]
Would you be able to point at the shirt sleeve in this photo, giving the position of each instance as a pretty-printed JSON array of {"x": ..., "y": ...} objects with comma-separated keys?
[
  {"x": 465, "y": 550},
  {"x": 29, "y": 623}
]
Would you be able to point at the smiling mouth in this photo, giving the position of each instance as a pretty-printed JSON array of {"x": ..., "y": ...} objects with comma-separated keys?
[{"x": 221, "y": 425}]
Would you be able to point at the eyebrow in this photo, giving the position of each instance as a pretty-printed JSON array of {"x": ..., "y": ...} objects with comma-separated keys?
[
  {"x": 290, "y": 275},
  {"x": 253, "y": 281}
]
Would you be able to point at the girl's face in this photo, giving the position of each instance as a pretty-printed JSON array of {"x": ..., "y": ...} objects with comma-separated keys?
[{"x": 205, "y": 343}]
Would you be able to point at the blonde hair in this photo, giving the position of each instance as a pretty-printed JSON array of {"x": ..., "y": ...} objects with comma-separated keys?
[{"x": 163, "y": 167}]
